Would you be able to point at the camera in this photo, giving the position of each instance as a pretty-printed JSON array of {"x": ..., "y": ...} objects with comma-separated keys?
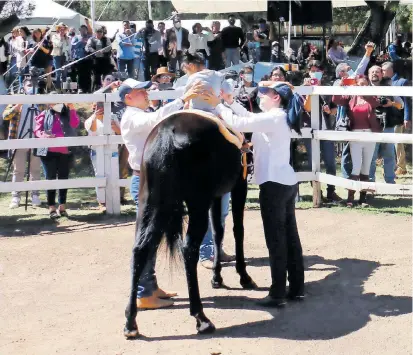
[
  {"x": 38, "y": 84},
  {"x": 383, "y": 100}
]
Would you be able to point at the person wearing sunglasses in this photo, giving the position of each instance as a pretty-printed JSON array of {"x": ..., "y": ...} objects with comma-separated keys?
[{"x": 276, "y": 179}]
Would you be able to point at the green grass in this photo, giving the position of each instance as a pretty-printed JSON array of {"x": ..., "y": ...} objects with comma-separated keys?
[{"x": 82, "y": 205}]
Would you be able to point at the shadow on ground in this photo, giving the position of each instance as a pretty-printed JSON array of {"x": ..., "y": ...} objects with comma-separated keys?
[{"x": 335, "y": 306}]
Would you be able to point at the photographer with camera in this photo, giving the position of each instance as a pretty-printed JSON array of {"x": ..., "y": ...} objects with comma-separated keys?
[
  {"x": 362, "y": 118},
  {"x": 57, "y": 121},
  {"x": 19, "y": 128},
  {"x": 94, "y": 127},
  {"x": 152, "y": 41},
  {"x": 390, "y": 114}
]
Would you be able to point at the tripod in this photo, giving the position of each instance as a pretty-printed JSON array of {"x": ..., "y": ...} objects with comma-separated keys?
[{"x": 32, "y": 112}]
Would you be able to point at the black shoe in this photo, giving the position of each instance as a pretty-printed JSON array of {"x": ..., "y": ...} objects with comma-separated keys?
[
  {"x": 272, "y": 302},
  {"x": 296, "y": 297}
]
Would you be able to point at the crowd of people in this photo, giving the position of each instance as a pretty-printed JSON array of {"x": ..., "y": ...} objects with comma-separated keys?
[{"x": 265, "y": 110}]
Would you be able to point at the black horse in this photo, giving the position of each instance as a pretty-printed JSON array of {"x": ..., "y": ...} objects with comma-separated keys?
[{"x": 190, "y": 158}]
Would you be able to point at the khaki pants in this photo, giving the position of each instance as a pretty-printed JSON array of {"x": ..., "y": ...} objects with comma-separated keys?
[
  {"x": 400, "y": 153},
  {"x": 19, "y": 168}
]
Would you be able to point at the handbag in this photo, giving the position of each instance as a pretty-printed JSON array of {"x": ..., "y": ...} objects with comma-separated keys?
[{"x": 40, "y": 152}]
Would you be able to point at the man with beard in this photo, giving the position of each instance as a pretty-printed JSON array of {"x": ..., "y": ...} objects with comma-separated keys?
[{"x": 388, "y": 114}]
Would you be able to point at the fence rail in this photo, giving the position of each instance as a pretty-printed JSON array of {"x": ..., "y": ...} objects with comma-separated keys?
[{"x": 107, "y": 178}]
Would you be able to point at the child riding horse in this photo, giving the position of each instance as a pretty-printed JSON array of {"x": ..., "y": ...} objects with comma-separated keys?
[{"x": 181, "y": 166}]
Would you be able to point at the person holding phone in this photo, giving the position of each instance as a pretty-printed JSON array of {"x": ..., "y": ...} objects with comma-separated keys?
[
  {"x": 56, "y": 122},
  {"x": 361, "y": 112}
]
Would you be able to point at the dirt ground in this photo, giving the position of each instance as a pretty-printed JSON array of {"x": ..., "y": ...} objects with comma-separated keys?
[{"x": 65, "y": 292}]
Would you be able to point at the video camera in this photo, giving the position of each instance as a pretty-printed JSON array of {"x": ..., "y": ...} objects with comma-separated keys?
[{"x": 39, "y": 84}]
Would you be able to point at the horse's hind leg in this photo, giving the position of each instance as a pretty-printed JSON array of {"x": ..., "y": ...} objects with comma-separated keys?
[
  {"x": 218, "y": 233},
  {"x": 239, "y": 197},
  {"x": 198, "y": 225},
  {"x": 148, "y": 236}
]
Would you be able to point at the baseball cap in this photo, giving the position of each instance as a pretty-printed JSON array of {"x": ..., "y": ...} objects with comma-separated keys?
[{"x": 130, "y": 84}]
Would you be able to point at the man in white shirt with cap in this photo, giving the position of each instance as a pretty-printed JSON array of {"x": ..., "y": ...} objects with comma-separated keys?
[{"x": 136, "y": 124}]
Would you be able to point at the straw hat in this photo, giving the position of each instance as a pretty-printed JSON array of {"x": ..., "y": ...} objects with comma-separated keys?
[{"x": 162, "y": 71}]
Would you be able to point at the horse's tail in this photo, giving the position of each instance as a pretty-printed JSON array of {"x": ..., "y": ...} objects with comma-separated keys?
[{"x": 164, "y": 184}]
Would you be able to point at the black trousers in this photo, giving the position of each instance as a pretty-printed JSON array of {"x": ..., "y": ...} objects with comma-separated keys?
[
  {"x": 277, "y": 204},
  {"x": 84, "y": 74},
  {"x": 151, "y": 65},
  {"x": 173, "y": 61},
  {"x": 56, "y": 165},
  {"x": 101, "y": 68}
]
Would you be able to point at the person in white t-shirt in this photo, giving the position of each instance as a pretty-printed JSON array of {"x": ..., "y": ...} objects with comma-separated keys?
[{"x": 277, "y": 181}]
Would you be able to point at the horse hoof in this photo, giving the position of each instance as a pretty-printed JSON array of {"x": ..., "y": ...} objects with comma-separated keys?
[
  {"x": 131, "y": 333},
  {"x": 217, "y": 284},
  {"x": 205, "y": 327},
  {"x": 249, "y": 285}
]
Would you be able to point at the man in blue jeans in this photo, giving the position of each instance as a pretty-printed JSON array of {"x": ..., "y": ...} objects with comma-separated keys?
[
  {"x": 390, "y": 114},
  {"x": 206, "y": 251},
  {"x": 136, "y": 124}
]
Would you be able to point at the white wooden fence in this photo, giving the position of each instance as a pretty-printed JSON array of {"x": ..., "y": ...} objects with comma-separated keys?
[{"x": 107, "y": 177}]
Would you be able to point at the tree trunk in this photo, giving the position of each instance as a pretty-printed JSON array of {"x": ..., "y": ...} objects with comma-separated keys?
[{"x": 375, "y": 27}]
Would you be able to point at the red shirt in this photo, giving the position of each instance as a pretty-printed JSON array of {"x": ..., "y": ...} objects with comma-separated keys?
[{"x": 361, "y": 116}]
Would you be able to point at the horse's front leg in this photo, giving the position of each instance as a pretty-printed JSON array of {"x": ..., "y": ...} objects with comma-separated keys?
[
  {"x": 239, "y": 197},
  {"x": 198, "y": 225},
  {"x": 218, "y": 233}
]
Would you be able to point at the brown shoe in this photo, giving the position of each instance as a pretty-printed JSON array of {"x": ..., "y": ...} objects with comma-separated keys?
[
  {"x": 153, "y": 302},
  {"x": 208, "y": 264},
  {"x": 163, "y": 295}
]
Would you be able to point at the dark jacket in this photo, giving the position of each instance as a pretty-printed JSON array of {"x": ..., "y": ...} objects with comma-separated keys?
[{"x": 185, "y": 41}]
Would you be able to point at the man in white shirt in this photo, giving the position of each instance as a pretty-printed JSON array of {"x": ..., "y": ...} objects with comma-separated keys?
[{"x": 136, "y": 125}]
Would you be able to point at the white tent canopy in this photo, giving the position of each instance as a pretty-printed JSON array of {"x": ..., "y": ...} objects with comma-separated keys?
[
  {"x": 231, "y": 6},
  {"x": 46, "y": 12}
]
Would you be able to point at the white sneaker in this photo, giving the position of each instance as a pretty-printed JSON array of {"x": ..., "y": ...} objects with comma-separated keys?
[
  {"x": 36, "y": 201},
  {"x": 15, "y": 202}
]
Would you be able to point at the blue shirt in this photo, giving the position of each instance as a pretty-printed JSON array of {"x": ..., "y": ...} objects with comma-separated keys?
[
  {"x": 137, "y": 45},
  {"x": 125, "y": 52},
  {"x": 392, "y": 52},
  {"x": 396, "y": 81},
  {"x": 78, "y": 46}
]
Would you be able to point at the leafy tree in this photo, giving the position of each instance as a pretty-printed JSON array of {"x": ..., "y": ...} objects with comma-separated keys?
[
  {"x": 10, "y": 11},
  {"x": 376, "y": 25},
  {"x": 354, "y": 17},
  {"x": 404, "y": 18}
]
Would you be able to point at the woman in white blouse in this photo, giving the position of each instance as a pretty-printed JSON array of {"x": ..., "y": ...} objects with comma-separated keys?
[
  {"x": 277, "y": 181},
  {"x": 198, "y": 40}
]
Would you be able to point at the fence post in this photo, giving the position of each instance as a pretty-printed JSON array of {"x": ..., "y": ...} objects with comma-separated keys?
[
  {"x": 112, "y": 176},
  {"x": 315, "y": 148}
]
